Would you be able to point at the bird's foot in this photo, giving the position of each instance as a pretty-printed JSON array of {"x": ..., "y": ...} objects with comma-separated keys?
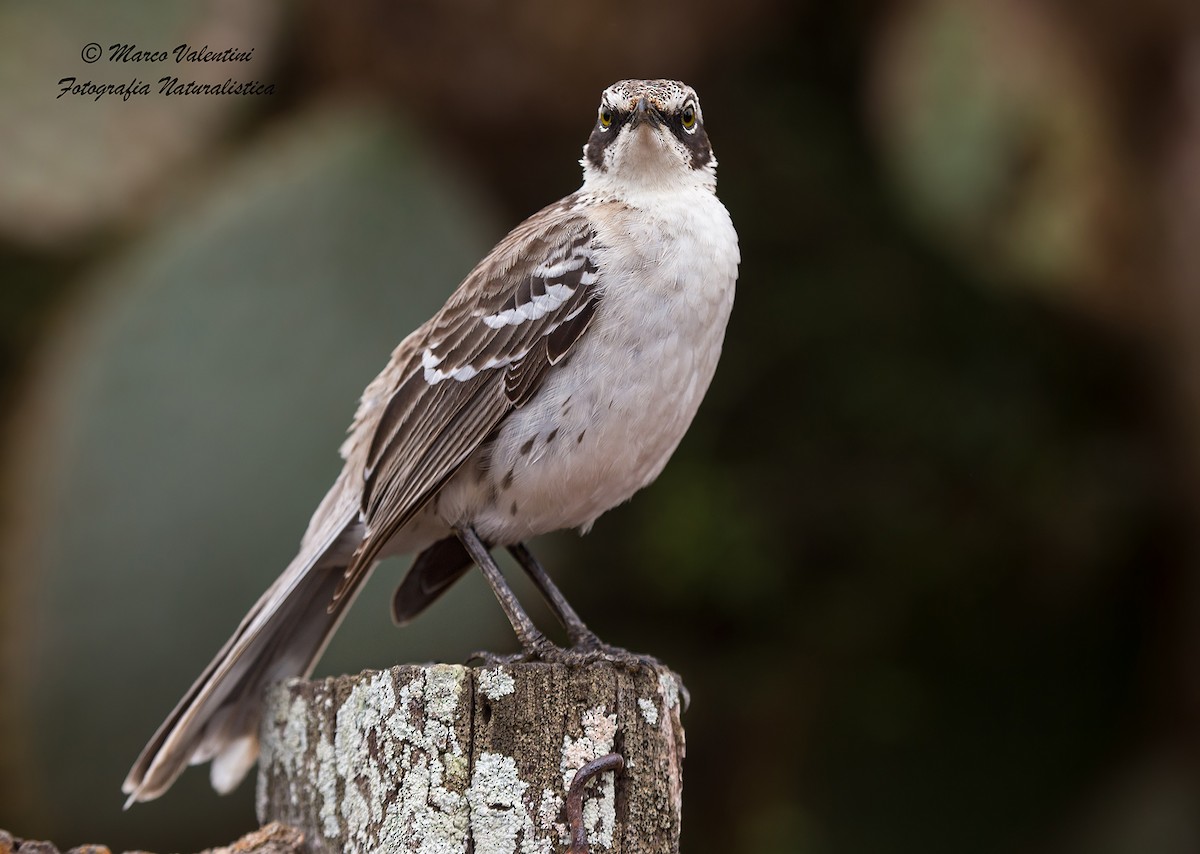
[
  {"x": 534, "y": 648},
  {"x": 592, "y": 649},
  {"x": 588, "y": 650}
]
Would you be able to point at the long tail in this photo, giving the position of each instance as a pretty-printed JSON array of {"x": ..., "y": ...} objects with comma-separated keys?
[{"x": 283, "y": 635}]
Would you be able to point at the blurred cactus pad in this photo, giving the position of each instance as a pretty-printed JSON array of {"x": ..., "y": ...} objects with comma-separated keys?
[{"x": 185, "y": 425}]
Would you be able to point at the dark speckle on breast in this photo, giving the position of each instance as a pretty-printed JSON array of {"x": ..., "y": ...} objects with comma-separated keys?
[
  {"x": 512, "y": 510},
  {"x": 508, "y": 479},
  {"x": 551, "y": 435},
  {"x": 528, "y": 445}
]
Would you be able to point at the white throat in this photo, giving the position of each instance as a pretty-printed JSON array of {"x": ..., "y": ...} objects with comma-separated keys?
[{"x": 645, "y": 167}]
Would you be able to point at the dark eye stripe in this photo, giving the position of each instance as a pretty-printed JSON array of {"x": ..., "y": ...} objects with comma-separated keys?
[{"x": 602, "y": 137}]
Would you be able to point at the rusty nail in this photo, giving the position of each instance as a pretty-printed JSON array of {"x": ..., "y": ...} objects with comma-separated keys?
[{"x": 609, "y": 762}]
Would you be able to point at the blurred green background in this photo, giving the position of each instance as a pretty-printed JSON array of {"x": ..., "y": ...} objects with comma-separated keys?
[{"x": 927, "y": 558}]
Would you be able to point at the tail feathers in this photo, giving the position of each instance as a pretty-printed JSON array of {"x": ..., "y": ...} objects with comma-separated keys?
[
  {"x": 229, "y": 766},
  {"x": 282, "y": 636},
  {"x": 431, "y": 575}
]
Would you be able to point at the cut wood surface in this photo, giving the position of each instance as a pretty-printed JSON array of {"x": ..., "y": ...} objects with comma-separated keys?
[{"x": 441, "y": 759}]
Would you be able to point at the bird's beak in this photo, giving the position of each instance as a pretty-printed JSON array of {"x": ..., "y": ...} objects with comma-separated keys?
[{"x": 645, "y": 112}]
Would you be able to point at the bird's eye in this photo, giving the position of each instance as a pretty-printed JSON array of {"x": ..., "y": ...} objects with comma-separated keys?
[
  {"x": 606, "y": 117},
  {"x": 688, "y": 117}
]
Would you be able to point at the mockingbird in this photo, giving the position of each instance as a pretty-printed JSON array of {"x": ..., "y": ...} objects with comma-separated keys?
[{"x": 555, "y": 383}]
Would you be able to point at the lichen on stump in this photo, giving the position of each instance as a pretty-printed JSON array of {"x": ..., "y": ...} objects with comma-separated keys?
[{"x": 440, "y": 758}]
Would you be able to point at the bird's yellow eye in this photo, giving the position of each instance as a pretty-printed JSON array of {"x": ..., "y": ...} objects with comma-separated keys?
[
  {"x": 606, "y": 117},
  {"x": 688, "y": 117}
]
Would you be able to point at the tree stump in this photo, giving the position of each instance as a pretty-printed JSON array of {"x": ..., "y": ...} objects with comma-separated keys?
[{"x": 446, "y": 758}]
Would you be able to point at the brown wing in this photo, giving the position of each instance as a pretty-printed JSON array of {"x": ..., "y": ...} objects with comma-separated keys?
[{"x": 486, "y": 352}]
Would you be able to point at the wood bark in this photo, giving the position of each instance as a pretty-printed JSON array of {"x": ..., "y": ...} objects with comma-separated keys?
[
  {"x": 442, "y": 759},
  {"x": 272, "y": 839}
]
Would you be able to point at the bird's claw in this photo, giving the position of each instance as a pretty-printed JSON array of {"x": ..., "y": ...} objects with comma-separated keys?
[{"x": 591, "y": 651}]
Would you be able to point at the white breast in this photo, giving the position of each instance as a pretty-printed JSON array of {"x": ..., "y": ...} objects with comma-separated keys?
[{"x": 607, "y": 420}]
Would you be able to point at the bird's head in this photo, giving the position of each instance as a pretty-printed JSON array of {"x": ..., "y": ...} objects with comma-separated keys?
[{"x": 649, "y": 137}]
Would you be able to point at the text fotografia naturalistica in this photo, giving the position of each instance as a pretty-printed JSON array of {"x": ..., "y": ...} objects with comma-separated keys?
[{"x": 166, "y": 86}]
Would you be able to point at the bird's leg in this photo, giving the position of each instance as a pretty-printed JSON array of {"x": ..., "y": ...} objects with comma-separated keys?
[
  {"x": 578, "y": 633},
  {"x": 585, "y": 644},
  {"x": 533, "y": 642}
]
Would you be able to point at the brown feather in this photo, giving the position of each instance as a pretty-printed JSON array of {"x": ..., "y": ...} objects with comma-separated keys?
[{"x": 427, "y": 429}]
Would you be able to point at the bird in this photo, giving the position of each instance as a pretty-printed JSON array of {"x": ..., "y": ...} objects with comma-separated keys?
[{"x": 555, "y": 382}]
